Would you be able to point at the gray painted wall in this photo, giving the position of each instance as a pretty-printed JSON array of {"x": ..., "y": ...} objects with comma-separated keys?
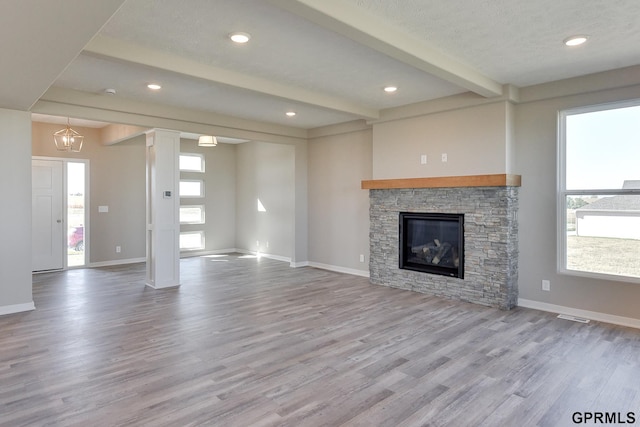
[
  {"x": 15, "y": 211},
  {"x": 536, "y": 154},
  {"x": 265, "y": 172},
  {"x": 117, "y": 180},
  {"x": 220, "y": 194},
  {"x": 338, "y": 207}
]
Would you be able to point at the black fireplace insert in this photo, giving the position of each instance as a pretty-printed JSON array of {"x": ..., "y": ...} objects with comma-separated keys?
[{"x": 432, "y": 243}]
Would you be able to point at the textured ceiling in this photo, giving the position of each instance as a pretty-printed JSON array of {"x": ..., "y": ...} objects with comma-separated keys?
[
  {"x": 520, "y": 41},
  {"x": 328, "y": 60}
]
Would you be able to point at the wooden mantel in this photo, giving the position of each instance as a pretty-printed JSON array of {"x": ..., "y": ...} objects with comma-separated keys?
[{"x": 498, "y": 180}]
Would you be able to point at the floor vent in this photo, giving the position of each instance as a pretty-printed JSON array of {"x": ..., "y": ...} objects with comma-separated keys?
[{"x": 573, "y": 318}]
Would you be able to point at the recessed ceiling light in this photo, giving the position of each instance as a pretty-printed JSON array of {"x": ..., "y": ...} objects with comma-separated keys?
[
  {"x": 239, "y": 37},
  {"x": 390, "y": 89},
  {"x": 290, "y": 113},
  {"x": 575, "y": 40},
  {"x": 154, "y": 86}
]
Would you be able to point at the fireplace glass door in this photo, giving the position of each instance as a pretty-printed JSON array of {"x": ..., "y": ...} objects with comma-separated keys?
[{"x": 432, "y": 243}]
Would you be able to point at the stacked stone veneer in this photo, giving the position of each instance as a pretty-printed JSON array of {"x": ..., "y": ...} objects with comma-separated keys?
[{"x": 490, "y": 242}]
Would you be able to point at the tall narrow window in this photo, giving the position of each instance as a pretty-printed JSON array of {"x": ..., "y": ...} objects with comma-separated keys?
[
  {"x": 76, "y": 214},
  {"x": 599, "y": 191}
]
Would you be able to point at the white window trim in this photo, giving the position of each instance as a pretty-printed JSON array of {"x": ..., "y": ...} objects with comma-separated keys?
[
  {"x": 563, "y": 193},
  {"x": 202, "y": 162},
  {"x": 202, "y": 239},
  {"x": 201, "y": 188},
  {"x": 202, "y": 221}
]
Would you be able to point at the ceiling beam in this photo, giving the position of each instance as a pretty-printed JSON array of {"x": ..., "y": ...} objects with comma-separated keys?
[
  {"x": 39, "y": 39},
  {"x": 129, "y": 52},
  {"x": 355, "y": 23},
  {"x": 114, "y": 109}
]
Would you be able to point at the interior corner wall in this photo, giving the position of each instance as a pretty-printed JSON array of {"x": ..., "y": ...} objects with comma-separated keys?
[
  {"x": 265, "y": 202},
  {"x": 15, "y": 213},
  {"x": 536, "y": 160},
  {"x": 338, "y": 207},
  {"x": 117, "y": 180},
  {"x": 474, "y": 139}
]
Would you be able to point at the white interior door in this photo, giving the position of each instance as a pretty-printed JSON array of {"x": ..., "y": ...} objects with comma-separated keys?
[{"x": 47, "y": 215}]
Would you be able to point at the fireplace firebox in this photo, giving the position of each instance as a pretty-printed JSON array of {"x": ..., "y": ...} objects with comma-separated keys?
[{"x": 432, "y": 243}]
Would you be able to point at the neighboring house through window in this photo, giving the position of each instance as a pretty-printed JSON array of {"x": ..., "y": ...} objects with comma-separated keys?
[{"x": 599, "y": 191}]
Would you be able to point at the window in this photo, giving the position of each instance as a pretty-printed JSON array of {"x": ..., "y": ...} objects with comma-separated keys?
[
  {"x": 190, "y": 214},
  {"x": 191, "y": 162},
  {"x": 191, "y": 188},
  {"x": 599, "y": 192},
  {"x": 191, "y": 240}
]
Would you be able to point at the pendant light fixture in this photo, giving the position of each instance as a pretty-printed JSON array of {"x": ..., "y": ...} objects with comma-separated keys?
[
  {"x": 207, "y": 141},
  {"x": 68, "y": 139}
]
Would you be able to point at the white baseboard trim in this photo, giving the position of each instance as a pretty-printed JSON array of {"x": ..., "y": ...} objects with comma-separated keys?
[
  {"x": 17, "y": 308},
  {"x": 339, "y": 269},
  {"x": 263, "y": 255},
  {"x": 592, "y": 315},
  {"x": 117, "y": 262},
  {"x": 299, "y": 264},
  {"x": 192, "y": 254},
  {"x": 167, "y": 286}
]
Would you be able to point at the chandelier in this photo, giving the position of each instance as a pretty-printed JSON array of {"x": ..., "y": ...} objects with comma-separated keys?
[{"x": 68, "y": 139}]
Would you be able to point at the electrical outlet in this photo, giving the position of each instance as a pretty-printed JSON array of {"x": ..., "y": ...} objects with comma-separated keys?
[
  {"x": 118, "y": 249},
  {"x": 444, "y": 157},
  {"x": 546, "y": 285},
  {"x": 361, "y": 258},
  {"x": 423, "y": 159}
]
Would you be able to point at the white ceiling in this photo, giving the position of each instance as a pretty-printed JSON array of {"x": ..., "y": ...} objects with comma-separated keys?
[{"x": 328, "y": 60}]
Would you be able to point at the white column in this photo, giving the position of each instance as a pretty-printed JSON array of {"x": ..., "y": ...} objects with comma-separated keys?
[{"x": 163, "y": 209}]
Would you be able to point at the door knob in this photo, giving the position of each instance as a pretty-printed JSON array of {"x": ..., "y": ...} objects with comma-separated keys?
[{"x": 59, "y": 221}]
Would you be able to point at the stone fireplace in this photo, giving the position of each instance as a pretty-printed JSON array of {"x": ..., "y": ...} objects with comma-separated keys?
[{"x": 489, "y": 205}]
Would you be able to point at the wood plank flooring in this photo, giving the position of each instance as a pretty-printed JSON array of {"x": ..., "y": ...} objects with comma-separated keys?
[{"x": 247, "y": 342}]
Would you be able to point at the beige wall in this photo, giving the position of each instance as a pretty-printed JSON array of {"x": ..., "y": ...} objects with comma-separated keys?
[
  {"x": 220, "y": 194},
  {"x": 117, "y": 180},
  {"x": 265, "y": 171},
  {"x": 338, "y": 207},
  {"x": 475, "y": 140},
  {"x": 536, "y": 160}
]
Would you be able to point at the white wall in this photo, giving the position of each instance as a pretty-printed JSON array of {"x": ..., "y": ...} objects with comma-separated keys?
[
  {"x": 338, "y": 207},
  {"x": 15, "y": 211},
  {"x": 265, "y": 172}
]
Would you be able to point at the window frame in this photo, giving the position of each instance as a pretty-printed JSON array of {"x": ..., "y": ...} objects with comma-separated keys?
[
  {"x": 202, "y": 193},
  {"x": 203, "y": 217},
  {"x": 202, "y": 239},
  {"x": 562, "y": 192},
  {"x": 202, "y": 162}
]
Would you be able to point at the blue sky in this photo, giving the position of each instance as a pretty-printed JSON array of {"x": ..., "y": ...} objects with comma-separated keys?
[{"x": 603, "y": 148}]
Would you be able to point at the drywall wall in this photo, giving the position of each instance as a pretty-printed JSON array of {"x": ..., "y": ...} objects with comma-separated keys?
[
  {"x": 536, "y": 160},
  {"x": 15, "y": 212},
  {"x": 117, "y": 180},
  {"x": 220, "y": 194},
  {"x": 265, "y": 173},
  {"x": 338, "y": 207},
  {"x": 475, "y": 140}
]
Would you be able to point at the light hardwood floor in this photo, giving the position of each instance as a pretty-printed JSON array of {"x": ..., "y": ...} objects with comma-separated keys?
[{"x": 246, "y": 342}]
